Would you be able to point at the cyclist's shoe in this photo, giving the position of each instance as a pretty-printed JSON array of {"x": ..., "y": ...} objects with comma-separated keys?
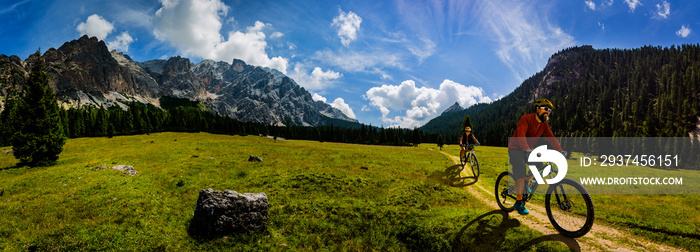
[{"x": 520, "y": 207}]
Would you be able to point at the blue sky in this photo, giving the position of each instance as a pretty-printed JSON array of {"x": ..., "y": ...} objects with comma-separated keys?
[{"x": 386, "y": 63}]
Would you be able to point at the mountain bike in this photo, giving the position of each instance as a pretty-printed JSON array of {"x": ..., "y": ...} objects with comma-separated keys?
[
  {"x": 569, "y": 206},
  {"x": 469, "y": 158}
]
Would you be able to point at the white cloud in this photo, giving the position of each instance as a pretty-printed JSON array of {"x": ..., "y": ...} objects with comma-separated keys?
[
  {"x": 139, "y": 18},
  {"x": 348, "y": 24},
  {"x": 424, "y": 50},
  {"x": 663, "y": 10},
  {"x": 340, "y": 104},
  {"x": 367, "y": 62},
  {"x": 683, "y": 32},
  {"x": 608, "y": 3},
  {"x": 632, "y": 4},
  {"x": 317, "y": 80},
  {"x": 121, "y": 43},
  {"x": 318, "y": 97},
  {"x": 525, "y": 39},
  {"x": 602, "y": 26},
  {"x": 275, "y": 35},
  {"x": 421, "y": 104},
  {"x": 193, "y": 27},
  {"x": 590, "y": 4},
  {"x": 95, "y": 26},
  {"x": 6, "y": 9}
]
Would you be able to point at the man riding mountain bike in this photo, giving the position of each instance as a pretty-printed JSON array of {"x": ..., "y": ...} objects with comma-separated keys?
[{"x": 530, "y": 128}]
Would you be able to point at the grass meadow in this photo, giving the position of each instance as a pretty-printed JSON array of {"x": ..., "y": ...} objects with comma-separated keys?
[{"x": 323, "y": 196}]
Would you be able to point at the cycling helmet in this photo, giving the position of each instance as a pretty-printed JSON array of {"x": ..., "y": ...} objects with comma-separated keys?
[{"x": 544, "y": 103}]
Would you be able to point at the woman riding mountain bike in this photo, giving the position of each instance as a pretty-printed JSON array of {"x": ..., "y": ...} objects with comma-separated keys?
[
  {"x": 467, "y": 157},
  {"x": 464, "y": 139}
]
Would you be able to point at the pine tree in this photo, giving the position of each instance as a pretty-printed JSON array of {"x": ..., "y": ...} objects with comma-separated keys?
[
  {"x": 466, "y": 123},
  {"x": 440, "y": 141},
  {"x": 10, "y": 119},
  {"x": 39, "y": 138},
  {"x": 101, "y": 122},
  {"x": 416, "y": 138}
]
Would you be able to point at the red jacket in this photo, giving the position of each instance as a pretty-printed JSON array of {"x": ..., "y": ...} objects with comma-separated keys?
[{"x": 529, "y": 131}]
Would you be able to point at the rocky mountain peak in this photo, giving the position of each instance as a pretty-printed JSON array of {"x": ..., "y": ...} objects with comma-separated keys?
[
  {"x": 565, "y": 54},
  {"x": 454, "y": 107},
  {"x": 84, "y": 71},
  {"x": 238, "y": 65},
  {"x": 176, "y": 65},
  {"x": 86, "y": 50}
]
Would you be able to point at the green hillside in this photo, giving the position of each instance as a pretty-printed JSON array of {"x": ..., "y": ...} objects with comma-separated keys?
[{"x": 650, "y": 91}]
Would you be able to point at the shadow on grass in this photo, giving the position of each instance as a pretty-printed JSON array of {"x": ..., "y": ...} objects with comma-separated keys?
[
  {"x": 15, "y": 166},
  {"x": 452, "y": 177},
  {"x": 488, "y": 233},
  {"x": 200, "y": 235},
  {"x": 569, "y": 242},
  {"x": 484, "y": 233}
]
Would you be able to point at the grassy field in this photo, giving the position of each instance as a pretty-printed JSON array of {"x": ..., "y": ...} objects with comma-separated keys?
[{"x": 323, "y": 196}]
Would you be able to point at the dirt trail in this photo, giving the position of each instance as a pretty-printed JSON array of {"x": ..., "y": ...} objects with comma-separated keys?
[{"x": 600, "y": 238}]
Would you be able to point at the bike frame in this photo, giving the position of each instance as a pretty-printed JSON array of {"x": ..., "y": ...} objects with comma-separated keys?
[
  {"x": 560, "y": 200},
  {"x": 470, "y": 150}
]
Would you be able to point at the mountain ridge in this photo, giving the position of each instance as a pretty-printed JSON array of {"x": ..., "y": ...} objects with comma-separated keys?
[{"x": 84, "y": 72}]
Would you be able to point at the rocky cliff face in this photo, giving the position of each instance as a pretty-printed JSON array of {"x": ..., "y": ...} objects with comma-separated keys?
[
  {"x": 236, "y": 90},
  {"x": 85, "y": 72},
  {"x": 12, "y": 75},
  {"x": 332, "y": 112}
]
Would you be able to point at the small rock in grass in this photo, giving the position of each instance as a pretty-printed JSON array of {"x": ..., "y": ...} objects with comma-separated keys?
[
  {"x": 255, "y": 159},
  {"x": 127, "y": 169}
]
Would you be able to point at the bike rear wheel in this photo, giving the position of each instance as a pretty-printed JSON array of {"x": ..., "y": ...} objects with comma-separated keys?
[
  {"x": 569, "y": 208},
  {"x": 505, "y": 191}
]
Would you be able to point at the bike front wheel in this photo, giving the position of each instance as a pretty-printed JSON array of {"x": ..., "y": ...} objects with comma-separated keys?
[
  {"x": 569, "y": 208},
  {"x": 474, "y": 165},
  {"x": 505, "y": 191}
]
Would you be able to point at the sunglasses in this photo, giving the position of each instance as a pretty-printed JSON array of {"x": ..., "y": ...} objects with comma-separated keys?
[
  {"x": 546, "y": 109},
  {"x": 468, "y": 131}
]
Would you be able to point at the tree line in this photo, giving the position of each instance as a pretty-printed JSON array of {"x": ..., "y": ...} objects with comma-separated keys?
[{"x": 181, "y": 115}]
